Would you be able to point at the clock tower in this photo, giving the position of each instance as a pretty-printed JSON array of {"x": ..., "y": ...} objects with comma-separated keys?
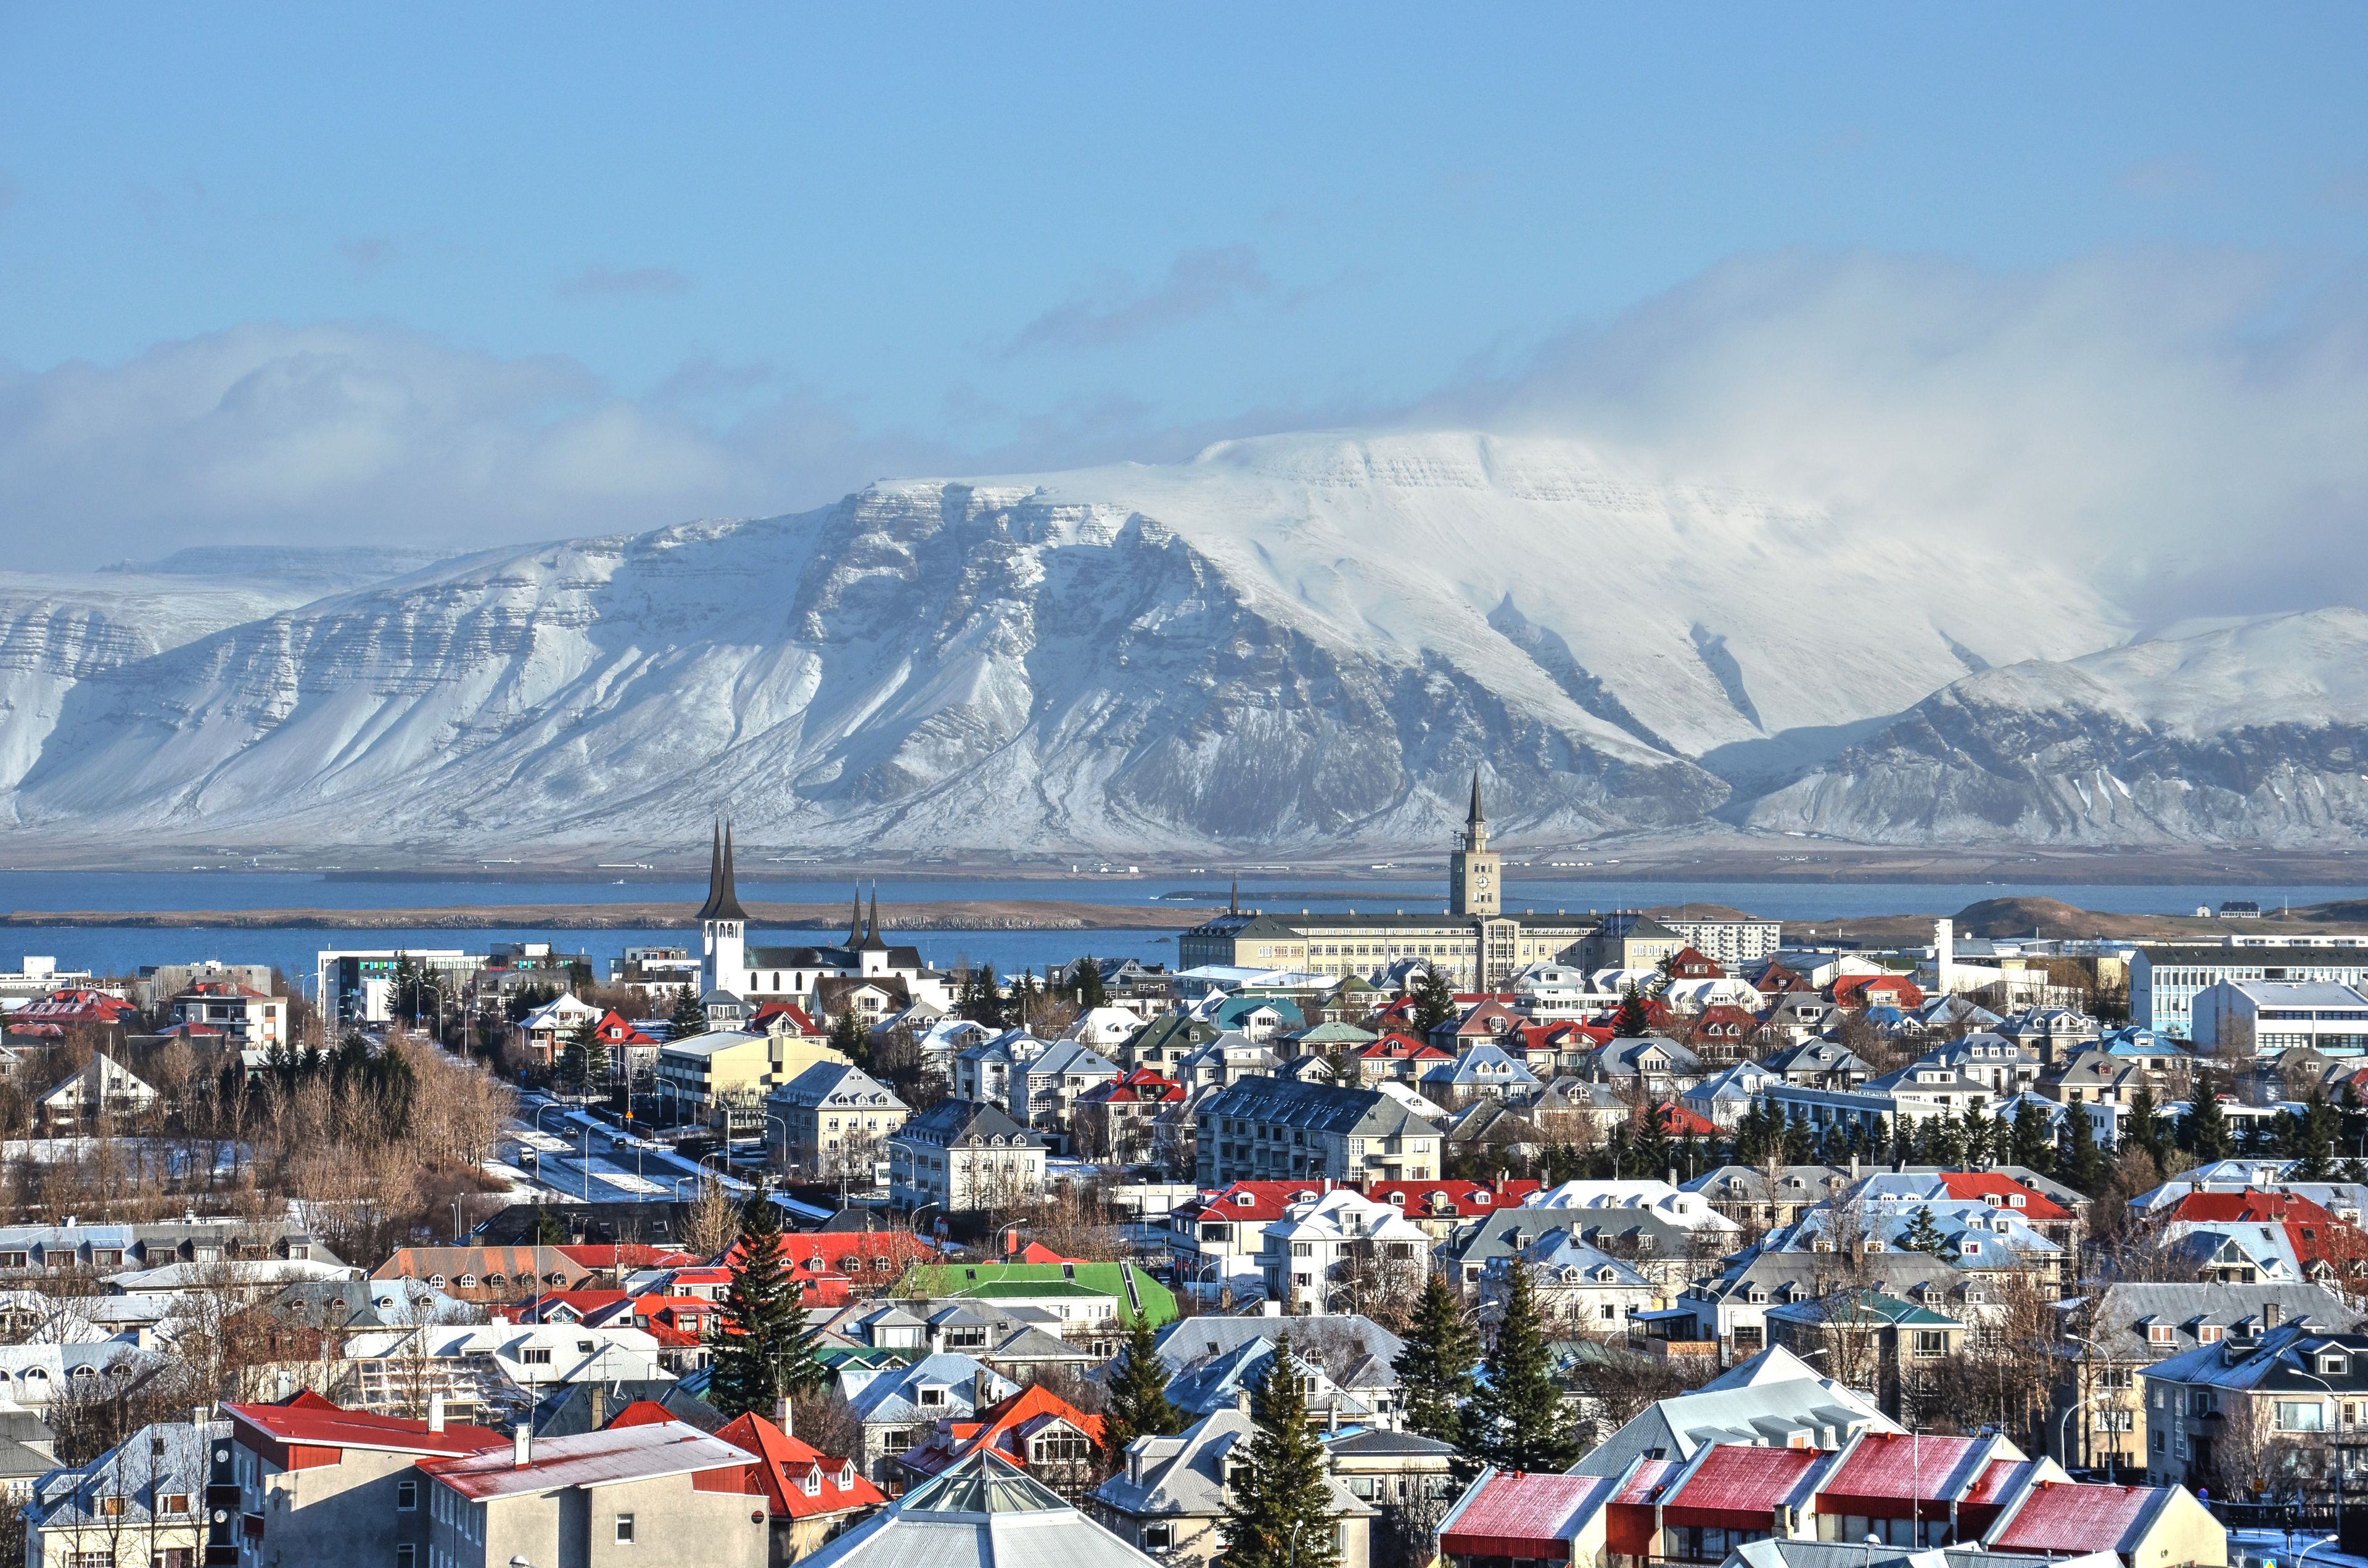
[{"x": 1474, "y": 884}]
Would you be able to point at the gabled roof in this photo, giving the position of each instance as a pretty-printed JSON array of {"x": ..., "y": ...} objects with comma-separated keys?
[
  {"x": 1732, "y": 1483},
  {"x": 1518, "y": 1515},
  {"x": 2063, "y": 1516},
  {"x": 786, "y": 1465}
]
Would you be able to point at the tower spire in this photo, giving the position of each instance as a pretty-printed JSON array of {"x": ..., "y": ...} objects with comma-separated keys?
[
  {"x": 1479, "y": 817},
  {"x": 871, "y": 931},
  {"x": 722, "y": 896},
  {"x": 855, "y": 920},
  {"x": 1234, "y": 899}
]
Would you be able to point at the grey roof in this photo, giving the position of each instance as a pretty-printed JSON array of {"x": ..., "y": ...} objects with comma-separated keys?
[
  {"x": 951, "y": 1121},
  {"x": 1314, "y": 1108},
  {"x": 828, "y": 1080},
  {"x": 891, "y": 1396},
  {"x": 1767, "y": 1413},
  {"x": 2124, "y": 1314},
  {"x": 1188, "y": 1340},
  {"x": 1751, "y": 1183},
  {"x": 2274, "y": 1364},
  {"x": 28, "y": 1446},
  {"x": 1379, "y": 1440},
  {"x": 1071, "y": 1056},
  {"x": 981, "y": 1510},
  {"x": 567, "y": 1413},
  {"x": 1774, "y": 1553},
  {"x": 397, "y": 1302},
  {"x": 167, "y": 1456},
  {"x": 1220, "y": 1381},
  {"x": 1183, "y": 1476}
]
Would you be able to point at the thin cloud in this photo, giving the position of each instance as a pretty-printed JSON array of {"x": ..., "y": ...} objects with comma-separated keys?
[
  {"x": 1199, "y": 283},
  {"x": 369, "y": 254},
  {"x": 596, "y": 282}
]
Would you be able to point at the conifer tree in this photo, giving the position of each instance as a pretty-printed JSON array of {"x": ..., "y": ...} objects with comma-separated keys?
[
  {"x": 2083, "y": 1167},
  {"x": 1280, "y": 1512},
  {"x": 1138, "y": 1404},
  {"x": 981, "y": 998},
  {"x": 584, "y": 1066},
  {"x": 1091, "y": 991},
  {"x": 1519, "y": 1420},
  {"x": 764, "y": 1351},
  {"x": 2314, "y": 1138},
  {"x": 1903, "y": 1142},
  {"x": 1631, "y": 1020},
  {"x": 1435, "y": 1369},
  {"x": 1800, "y": 1143},
  {"x": 2142, "y": 1126},
  {"x": 1923, "y": 1232},
  {"x": 688, "y": 1017},
  {"x": 1978, "y": 1132},
  {"x": 2204, "y": 1130},
  {"x": 1654, "y": 1152},
  {"x": 1434, "y": 1000},
  {"x": 846, "y": 1038},
  {"x": 2029, "y": 1142}
]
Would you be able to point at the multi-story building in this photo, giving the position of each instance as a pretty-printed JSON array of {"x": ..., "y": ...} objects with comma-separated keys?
[
  {"x": 328, "y": 1485},
  {"x": 142, "y": 1501},
  {"x": 356, "y": 985},
  {"x": 963, "y": 1155},
  {"x": 2267, "y": 1385},
  {"x": 832, "y": 1120},
  {"x": 661, "y": 1493},
  {"x": 1045, "y": 1087},
  {"x": 2240, "y": 1018},
  {"x": 246, "y": 1016},
  {"x": 1474, "y": 939},
  {"x": 2166, "y": 977},
  {"x": 1338, "y": 1251},
  {"x": 1271, "y": 1129},
  {"x": 722, "y": 1076}
]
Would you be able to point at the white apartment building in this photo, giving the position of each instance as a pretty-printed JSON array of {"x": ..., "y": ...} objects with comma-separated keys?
[
  {"x": 2166, "y": 977},
  {"x": 2262, "y": 1017},
  {"x": 1729, "y": 944},
  {"x": 1326, "y": 1250}
]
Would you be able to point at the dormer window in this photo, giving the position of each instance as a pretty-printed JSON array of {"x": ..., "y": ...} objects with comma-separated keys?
[
  {"x": 1244, "y": 1200},
  {"x": 2334, "y": 1366}
]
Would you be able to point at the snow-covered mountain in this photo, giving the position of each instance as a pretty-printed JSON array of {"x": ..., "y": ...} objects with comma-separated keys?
[
  {"x": 1294, "y": 642},
  {"x": 1287, "y": 641},
  {"x": 2255, "y": 733}
]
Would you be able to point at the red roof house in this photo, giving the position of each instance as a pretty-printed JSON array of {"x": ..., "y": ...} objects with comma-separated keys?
[
  {"x": 1688, "y": 963},
  {"x": 1877, "y": 990},
  {"x": 799, "y": 1481},
  {"x": 1742, "y": 1485},
  {"x": 1030, "y": 1429},
  {"x": 2005, "y": 1192},
  {"x": 1526, "y": 1516},
  {"x": 1679, "y": 1122}
]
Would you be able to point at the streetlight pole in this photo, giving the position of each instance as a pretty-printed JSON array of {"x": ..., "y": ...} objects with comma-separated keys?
[{"x": 2335, "y": 1431}]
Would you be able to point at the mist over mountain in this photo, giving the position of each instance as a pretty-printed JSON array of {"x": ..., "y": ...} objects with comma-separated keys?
[{"x": 1293, "y": 643}]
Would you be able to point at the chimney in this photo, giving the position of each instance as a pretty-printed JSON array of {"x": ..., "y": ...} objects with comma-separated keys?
[
  {"x": 498, "y": 1320},
  {"x": 2269, "y": 1314},
  {"x": 1853, "y": 1165},
  {"x": 1944, "y": 956},
  {"x": 982, "y": 1390},
  {"x": 436, "y": 1413},
  {"x": 202, "y": 1416},
  {"x": 781, "y": 1413},
  {"x": 287, "y": 1383},
  {"x": 1270, "y": 1308},
  {"x": 599, "y": 1395},
  {"x": 523, "y": 1455}
]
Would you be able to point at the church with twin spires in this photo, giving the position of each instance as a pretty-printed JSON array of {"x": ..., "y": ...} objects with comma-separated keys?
[
  {"x": 822, "y": 980},
  {"x": 1473, "y": 937}
]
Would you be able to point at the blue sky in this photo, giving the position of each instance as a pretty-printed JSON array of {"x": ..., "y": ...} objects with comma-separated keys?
[{"x": 285, "y": 272}]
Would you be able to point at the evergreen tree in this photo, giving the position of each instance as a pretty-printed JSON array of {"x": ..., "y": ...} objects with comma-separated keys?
[
  {"x": 1280, "y": 1514},
  {"x": 1091, "y": 991},
  {"x": 2029, "y": 1144},
  {"x": 1435, "y": 1368},
  {"x": 981, "y": 998},
  {"x": 584, "y": 1066},
  {"x": 1653, "y": 1154},
  {"x": 1434, "y": 1000},
  {"x": 1903, "y": 1142},
  {"x": 2142, "y": 1128},
  {"x": 1137, "y": 1402},
  {"x": 2083, "y": 1167},
  {"x": 2204, "y": 1130},
  {"x": 2352, "y": 1132},
  {"x": 847, "y": 1037},
  {"x": 1981, "y": 1133},
  {"x": 1937, "y": 1143},
  {"x": 1923, "y": 1233},
  {"x": 1519, "y": 1419},
  {"x": 688, "y": 1018},
  {"x": 1631, "y": 1020},
  {"x": 764, "y": 1351},
  {"x": 2314, "y": 1139}
]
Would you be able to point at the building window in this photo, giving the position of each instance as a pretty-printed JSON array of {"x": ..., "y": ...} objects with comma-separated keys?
[
  {"x": 407, "y": 1495},
  {"x": 2301, "y": 1416},
  {"x": 1930, "y": 1342},
  {"x": 624, "y": 1529}
]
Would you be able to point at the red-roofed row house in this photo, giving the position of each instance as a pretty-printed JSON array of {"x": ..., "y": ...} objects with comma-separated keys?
[{"x": 1907, "y": 1492}]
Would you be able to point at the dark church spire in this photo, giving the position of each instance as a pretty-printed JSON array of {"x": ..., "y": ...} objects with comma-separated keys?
[
  {"x": 872, "y": 932},
  {"x": 722, "y": 895},
  {"x": 1233, "y": 901},
  {"x": 855, "y": 921}
]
